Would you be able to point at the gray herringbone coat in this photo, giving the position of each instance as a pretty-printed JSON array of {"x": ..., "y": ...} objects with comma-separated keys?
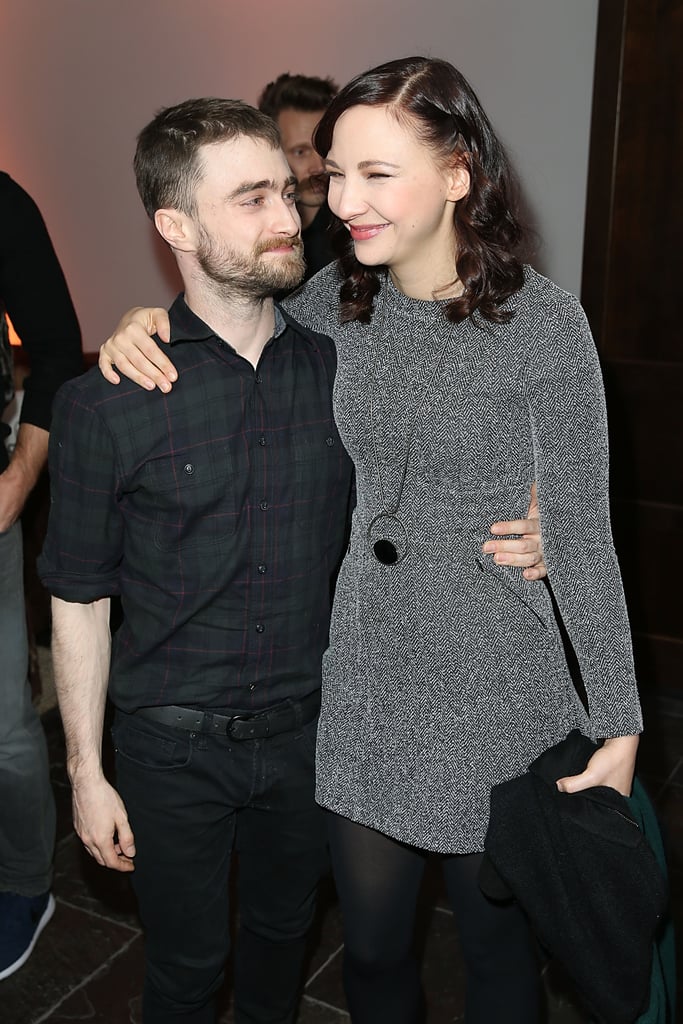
[{"x": 445, "y": 673}]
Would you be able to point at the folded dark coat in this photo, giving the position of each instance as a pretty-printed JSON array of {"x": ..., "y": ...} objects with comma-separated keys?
[{"x": 584, "y": 874}]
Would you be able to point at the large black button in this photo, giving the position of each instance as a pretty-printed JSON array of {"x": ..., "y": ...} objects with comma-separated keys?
[
  {"x": 262, "y": 569},
  {"x": 260, "y": 627},
  {"x": 264, "y": 505}
]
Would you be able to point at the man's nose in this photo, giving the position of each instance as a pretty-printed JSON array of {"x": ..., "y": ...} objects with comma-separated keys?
[
  {"x": 285, "y": 217},
  {"x": 314, "y": 164}
]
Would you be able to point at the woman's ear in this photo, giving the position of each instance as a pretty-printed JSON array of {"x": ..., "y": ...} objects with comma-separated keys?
[
  {"x": 458, "y": 181},
  {"x": 176, "y": 229}
]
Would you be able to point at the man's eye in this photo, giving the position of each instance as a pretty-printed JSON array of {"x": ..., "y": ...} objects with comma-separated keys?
[
  {"x": 291, "y": 197},
  {"x": 254, "y": 201},
  {"x": 332, "y": 175},
  {"x": 378, "y": 174}
]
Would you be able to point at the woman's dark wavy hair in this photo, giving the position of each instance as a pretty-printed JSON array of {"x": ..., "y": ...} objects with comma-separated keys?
[{"x": 434, "y": 99}]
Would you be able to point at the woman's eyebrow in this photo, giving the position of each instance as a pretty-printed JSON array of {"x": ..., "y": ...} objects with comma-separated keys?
[{"x": 363, "y": 164}]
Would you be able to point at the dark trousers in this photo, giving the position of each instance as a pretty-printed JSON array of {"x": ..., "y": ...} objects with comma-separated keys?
[
  {"x": 192, "y": 798},
  {"x": 378, "y": 881}
]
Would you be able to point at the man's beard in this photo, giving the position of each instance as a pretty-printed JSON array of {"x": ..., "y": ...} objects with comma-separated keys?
[{"x": 249, "y": 274}]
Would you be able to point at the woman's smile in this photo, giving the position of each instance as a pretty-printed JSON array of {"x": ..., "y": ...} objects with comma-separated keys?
[{"x": 363, "y": 232}]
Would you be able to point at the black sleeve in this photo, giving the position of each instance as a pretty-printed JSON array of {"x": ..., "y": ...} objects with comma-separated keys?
[{"x": 35, "y": 294}]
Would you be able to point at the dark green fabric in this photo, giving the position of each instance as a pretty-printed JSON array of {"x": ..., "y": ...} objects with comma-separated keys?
[{"x": 663, "y": 985}]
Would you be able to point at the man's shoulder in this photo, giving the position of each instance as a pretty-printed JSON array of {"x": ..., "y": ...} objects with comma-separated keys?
[{"x": 92, "y": 393}]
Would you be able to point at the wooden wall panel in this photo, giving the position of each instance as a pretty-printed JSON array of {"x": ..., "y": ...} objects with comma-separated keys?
[{"x": 631, "y": 290}]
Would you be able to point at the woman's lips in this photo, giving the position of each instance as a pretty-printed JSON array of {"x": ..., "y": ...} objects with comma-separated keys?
[{"x": 362, "y": 232}]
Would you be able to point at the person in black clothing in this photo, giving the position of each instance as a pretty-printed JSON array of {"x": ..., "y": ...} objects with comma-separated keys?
[
  {"x": 296, "y": 103},
  {"x": 217, "y": 513},
  {"x": 35, "y": 295}
]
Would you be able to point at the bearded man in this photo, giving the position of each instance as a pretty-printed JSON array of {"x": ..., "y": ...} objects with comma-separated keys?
[{"x": 217, "y": 512}]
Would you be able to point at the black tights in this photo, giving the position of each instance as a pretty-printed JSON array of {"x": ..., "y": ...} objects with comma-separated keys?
[{"x": 378, "y": 880}]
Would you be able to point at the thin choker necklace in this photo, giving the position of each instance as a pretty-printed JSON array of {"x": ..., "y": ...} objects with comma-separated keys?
[{"x": 387, "y": 534}]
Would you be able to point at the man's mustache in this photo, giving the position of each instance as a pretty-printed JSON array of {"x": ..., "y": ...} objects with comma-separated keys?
[
  {"x": 292, "y": 240},
  {"x": 315, "y": 183}
]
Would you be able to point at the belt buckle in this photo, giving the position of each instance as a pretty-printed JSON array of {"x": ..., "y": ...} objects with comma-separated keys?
[
  {"x": 235, "y": 718},
  {"x": 247, "y": 719}
]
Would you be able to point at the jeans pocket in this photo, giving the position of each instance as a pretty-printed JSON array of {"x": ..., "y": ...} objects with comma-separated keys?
[{"x": 144, "y": 745}]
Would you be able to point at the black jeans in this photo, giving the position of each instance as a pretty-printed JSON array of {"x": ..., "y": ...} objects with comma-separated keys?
[{"x": 191, "y": 798}]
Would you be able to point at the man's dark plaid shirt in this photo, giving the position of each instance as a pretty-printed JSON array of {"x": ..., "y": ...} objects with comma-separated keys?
[{"x": 217, "y": 512}]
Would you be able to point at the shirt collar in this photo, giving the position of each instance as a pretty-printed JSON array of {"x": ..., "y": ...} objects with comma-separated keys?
[{"x": 187, "y": 326}]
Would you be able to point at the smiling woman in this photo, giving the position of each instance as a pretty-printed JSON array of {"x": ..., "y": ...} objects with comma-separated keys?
[
  {"x": 462, "y": 376},
  {"x": 398, "y": 209},
  {"x": 430, "y": 148}
]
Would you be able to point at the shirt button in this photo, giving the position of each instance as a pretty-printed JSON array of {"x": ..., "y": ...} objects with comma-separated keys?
[
  {"x": 262, "y": 441},
  {"x": 262, "y": 569},
  {"x": 329, "y": 441},
  {"x": 259, "y": 378},
  {"x": 264, "y": 505},
  {"x": 188, "y": 468},
  {"x": 260, "y": 627}
]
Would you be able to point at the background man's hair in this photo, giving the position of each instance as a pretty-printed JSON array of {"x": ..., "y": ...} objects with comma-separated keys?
[
  {"x": 166, "y": 164},
  {"x": 298, "y": 92}
]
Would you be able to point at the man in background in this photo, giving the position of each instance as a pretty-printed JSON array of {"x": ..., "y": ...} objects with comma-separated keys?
[
  {"x": 296, "y": 103},
  {"x": 35, "y": 295}
]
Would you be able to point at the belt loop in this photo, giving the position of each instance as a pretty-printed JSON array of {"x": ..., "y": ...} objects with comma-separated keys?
[
  {"x": 207, "y": 723},
  {"x": 298, "y": 713}
]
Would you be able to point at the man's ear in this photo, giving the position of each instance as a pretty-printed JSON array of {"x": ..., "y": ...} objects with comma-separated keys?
[
  {"x": 458, "y": 183},
  {"x": 176, "y": 228}
]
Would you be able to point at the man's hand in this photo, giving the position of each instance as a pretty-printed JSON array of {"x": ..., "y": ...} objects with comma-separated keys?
[
  {"x": 134, "y": 352},
  {"x": 101, "y": 823},
  {"x": 527, "y": 551}
]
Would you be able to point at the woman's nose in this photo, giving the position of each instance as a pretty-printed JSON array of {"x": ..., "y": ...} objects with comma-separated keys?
[{"x": 345, "y": 198}]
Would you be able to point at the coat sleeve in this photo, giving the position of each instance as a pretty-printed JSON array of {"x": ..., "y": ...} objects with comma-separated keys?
[{"x": 569, "y": 427}]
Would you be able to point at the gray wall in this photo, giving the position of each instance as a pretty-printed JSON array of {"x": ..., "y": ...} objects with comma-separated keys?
[{"x": 79, "y": 78}]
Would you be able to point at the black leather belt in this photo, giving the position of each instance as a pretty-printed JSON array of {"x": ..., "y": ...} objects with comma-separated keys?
[{"x": 240, "y": 726}]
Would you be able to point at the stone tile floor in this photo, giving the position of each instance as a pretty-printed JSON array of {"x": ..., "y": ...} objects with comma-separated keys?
[{"x": 87, "y": 965}]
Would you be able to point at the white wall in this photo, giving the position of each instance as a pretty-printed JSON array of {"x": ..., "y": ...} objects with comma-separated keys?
[{"x": 79, "y": 78}]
